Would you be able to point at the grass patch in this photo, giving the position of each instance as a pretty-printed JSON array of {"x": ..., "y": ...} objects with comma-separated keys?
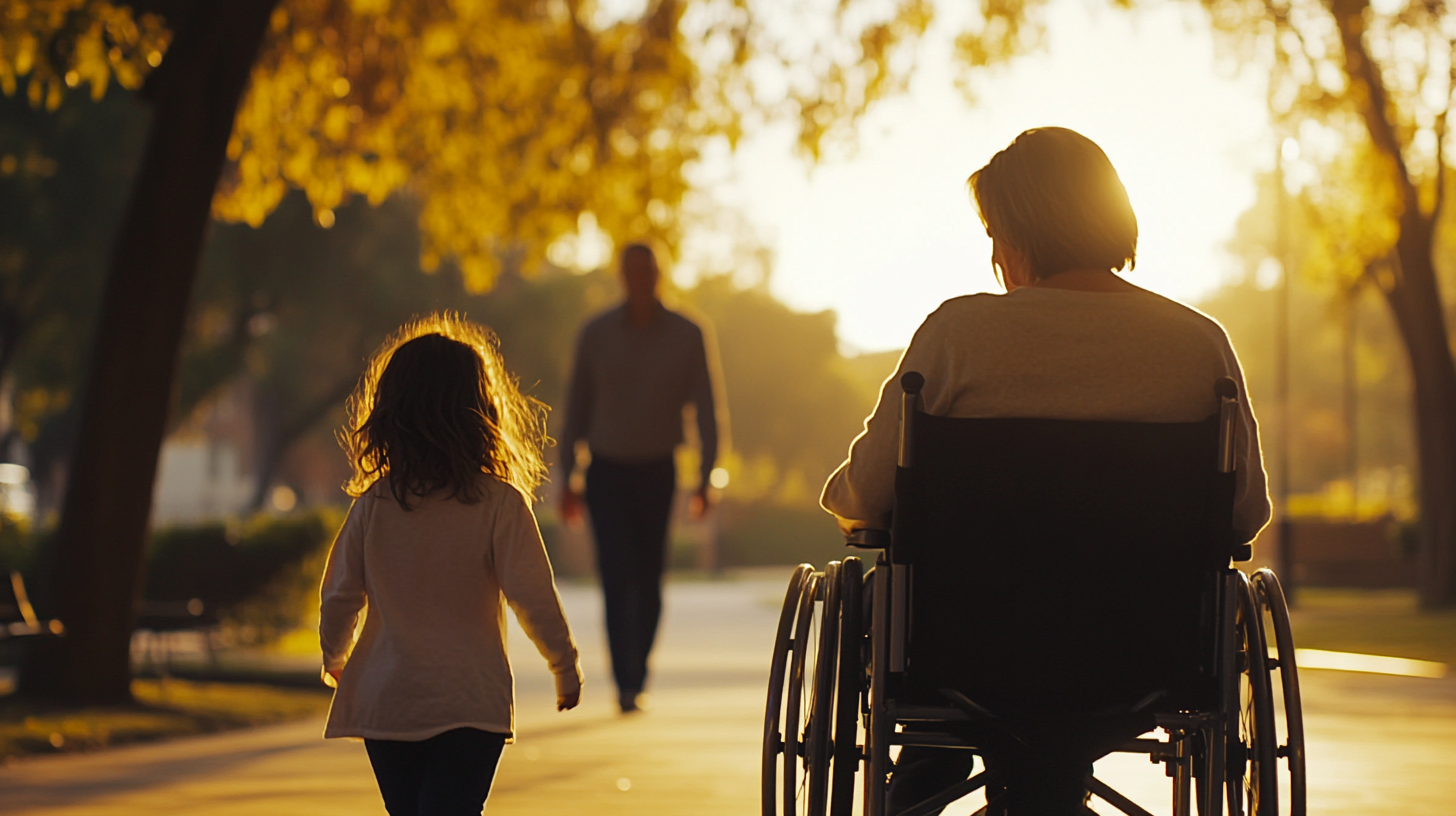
[
  {"x": 1381, "y": 622},
  {"x": 164, "y": 709}
]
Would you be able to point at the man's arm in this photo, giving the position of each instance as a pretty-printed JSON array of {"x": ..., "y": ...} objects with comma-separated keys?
[{"x": 705, "y": 394}]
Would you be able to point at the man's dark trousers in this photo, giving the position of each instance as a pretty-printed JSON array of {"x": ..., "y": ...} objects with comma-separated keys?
[{"x": 630, "y": 503}]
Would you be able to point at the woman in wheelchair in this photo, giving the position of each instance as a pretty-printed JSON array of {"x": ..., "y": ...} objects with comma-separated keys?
[{"x": 1069, "y": 339}]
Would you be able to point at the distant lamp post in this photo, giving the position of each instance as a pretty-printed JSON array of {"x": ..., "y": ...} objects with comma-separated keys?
[
  {"x": 1352, "y": 394},
  {"x": 1288, "y": 152}
]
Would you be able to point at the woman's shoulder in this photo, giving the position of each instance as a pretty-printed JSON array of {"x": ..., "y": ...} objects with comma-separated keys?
[
  {"x": 1033, "y": 308},
  {"x": 1135, "y": 303},
  {"x": 1176, "y": 311},
  {"x": 963, "y": 310}
]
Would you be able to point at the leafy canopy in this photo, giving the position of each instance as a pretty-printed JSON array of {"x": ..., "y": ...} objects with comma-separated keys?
[
  {"x": 507, "y": 119},
  {"x": 63, "y": 44},
  {"x": 1362, "y": 93}
]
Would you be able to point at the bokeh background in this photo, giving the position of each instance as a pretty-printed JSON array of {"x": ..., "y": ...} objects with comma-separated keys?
[{"x": 169, "y": 477}]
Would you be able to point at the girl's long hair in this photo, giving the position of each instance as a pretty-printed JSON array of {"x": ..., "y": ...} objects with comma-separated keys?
[{"x": 436, "y": 408}]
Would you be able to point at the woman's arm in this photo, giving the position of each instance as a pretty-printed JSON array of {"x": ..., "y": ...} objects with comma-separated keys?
[
  {"x": 861, "y": 492},
  {"x": 1252, "y": 508}
]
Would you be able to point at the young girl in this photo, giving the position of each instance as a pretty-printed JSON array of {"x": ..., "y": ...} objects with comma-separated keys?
[{"x": 446, "y": 452}]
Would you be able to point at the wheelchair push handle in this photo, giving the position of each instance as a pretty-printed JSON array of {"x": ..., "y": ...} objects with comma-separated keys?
[
  {"x": 1228, "y": 417},
  {"x": 910, "y": 382}
]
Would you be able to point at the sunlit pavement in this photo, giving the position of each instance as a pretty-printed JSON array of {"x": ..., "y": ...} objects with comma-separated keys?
[{"x": 1377, "y": 744}]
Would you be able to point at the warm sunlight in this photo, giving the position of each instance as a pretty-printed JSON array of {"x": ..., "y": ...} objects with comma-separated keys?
[
  {"x": 625, "y": 280},
  {"x": 883, "y": 237}
]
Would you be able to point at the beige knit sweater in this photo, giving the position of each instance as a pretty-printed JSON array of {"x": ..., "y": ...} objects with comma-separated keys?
[
  {"x": 436, "y": 580},
  {"x": 1056, "y": 354}
]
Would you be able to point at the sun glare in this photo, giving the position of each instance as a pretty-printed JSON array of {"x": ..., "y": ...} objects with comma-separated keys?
[{"x": 885, "y": 236}]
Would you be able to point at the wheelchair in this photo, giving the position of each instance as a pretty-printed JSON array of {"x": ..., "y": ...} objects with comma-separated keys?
[{"x": 1060, "y": 586}]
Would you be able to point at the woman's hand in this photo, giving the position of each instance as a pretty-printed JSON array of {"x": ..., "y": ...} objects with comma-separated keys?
[
  {"x": 848, "y": 526},
  {"x": 566, "y": 702}
]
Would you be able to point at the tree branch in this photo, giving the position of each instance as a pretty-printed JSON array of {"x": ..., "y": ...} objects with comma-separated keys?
[
  {"x": 291, "y": 430},
  {"x": 1441, "y": 124},
  {"x": 1375, "y": 107}
]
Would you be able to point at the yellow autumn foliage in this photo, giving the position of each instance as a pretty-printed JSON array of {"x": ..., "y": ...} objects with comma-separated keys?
[
  {"x": 508, "y": 120},
  {"x": 63, "y": 44}
]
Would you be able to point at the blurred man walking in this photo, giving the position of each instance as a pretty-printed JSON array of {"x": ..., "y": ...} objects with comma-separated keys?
[{"x": 637, "y": 366}]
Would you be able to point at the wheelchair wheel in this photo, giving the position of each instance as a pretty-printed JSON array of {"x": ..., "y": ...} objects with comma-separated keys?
[
  {"x": 820, "y": 709},
  {"x": 1251, "y": 749},
  {"x": 1270, "y": 597},
  {"x": 877, "y": 722},
  {"x": 798, "y": 699},
  {"x": 851, "y": 681},
  {"x": 773, "y": 737}
]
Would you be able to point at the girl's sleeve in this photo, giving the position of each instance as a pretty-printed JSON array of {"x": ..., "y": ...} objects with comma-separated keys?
[
  {"x": 342, "y": 595},
  {"x": 524, "y": 573}
]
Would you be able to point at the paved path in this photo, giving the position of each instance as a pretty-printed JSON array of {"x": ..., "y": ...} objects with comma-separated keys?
[{"x": 1379, "y": 745}]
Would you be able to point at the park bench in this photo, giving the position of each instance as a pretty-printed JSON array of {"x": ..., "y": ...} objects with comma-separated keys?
[
  {"x": 17, "y": 616},
  {"x": 161, "y": 618}
]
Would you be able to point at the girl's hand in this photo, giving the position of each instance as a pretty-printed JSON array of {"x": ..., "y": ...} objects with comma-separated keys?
[{"x": 567, "y": 702}]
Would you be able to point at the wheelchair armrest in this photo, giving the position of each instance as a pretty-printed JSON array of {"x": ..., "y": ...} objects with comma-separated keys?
[{"x": 866, "y": 539}]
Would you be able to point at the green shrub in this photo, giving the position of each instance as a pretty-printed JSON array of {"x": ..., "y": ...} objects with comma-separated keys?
[
  {"x": 261, "y": 578},
  {"x": 764, "y": 534}
]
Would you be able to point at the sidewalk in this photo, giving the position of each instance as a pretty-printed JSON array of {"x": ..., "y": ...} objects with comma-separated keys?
[
  {"x": 695, "y": 752},
  {"x": 1377, "y": 744}
]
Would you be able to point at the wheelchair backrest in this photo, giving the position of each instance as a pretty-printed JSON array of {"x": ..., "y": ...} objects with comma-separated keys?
[{"x": 1062, "y": 566}]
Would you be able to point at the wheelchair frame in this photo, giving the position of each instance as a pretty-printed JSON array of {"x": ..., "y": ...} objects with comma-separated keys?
[{"x": 842, "y": 633}]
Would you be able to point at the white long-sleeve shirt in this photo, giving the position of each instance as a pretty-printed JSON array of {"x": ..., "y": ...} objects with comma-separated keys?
[
  {"x": 1056, "y": 354},
  {"x": 435, "y": 580}
]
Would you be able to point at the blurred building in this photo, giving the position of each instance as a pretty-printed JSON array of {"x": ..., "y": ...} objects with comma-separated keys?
[{"x": 209, "y": 467}]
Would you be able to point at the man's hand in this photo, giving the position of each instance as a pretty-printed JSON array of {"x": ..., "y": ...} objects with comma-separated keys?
[
  {"x": 571, "y": 508},
  {"x": 700, "y": 503},
  {"x": 566, "y": 702}
]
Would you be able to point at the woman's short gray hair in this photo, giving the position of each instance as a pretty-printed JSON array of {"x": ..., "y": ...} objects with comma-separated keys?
[{"x": 1053, "y": 195}]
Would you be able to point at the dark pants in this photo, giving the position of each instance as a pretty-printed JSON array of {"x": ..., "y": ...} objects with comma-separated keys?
[
  {"x": 448, "y": 774},
  {"x": 630, "y": 503},
  {"x": 1033, "y": 785}
]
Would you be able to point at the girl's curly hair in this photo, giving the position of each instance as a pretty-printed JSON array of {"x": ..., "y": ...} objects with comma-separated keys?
[{"x": 435, "y": 408}]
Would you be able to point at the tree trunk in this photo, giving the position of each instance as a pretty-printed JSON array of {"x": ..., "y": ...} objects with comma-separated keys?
[
  {"x": 96, "y": 566},
  {"x": 1415, "y": 301}
]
